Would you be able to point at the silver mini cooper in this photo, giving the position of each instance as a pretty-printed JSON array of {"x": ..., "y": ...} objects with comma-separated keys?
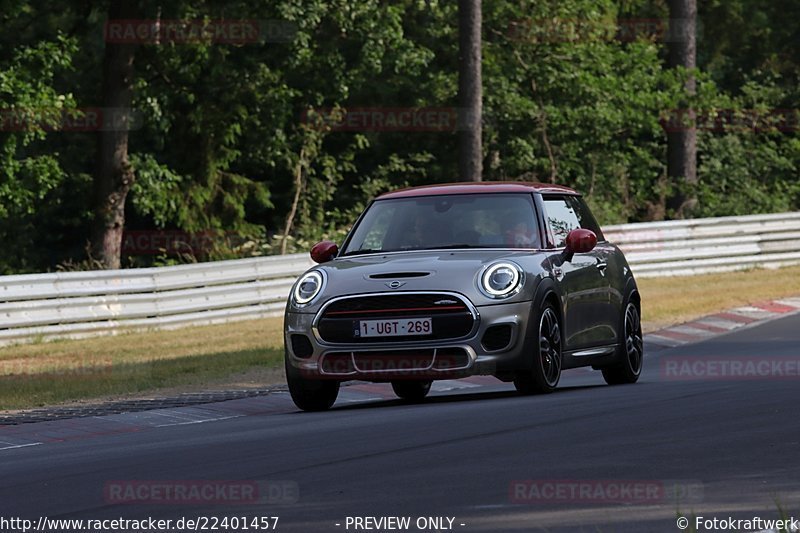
[{"x": 513, "y": 280}]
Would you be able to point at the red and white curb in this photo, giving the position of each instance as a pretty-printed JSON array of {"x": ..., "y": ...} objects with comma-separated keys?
[{"x": 719, "y": 323}]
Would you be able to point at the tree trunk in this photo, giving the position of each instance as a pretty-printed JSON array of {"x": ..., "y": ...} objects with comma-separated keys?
[
  {"x": 298, "y": 191},
  {"x": 682, "y": 143},
  {"x": 114, "y": 175},
  {"x": 470, "y": 151}
]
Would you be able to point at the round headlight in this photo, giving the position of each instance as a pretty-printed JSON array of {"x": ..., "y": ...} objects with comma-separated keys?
[
  {"x": 308, "y": 287},
  {"x": 501, "y": 280}
]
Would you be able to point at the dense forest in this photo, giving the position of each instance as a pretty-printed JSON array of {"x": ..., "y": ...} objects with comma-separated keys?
[{"x": 259, "y": 127}]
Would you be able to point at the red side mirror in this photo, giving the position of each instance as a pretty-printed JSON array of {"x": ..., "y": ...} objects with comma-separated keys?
[
  {"x": 580, "y": 241},
  {"x": 324, "y": 251}
]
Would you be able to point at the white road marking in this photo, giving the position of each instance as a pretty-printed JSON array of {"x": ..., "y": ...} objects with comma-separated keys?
[
  {"x": 199, "y": 421},
  {"x": 179, "y": 415},
  {"x": 20, "y": 445}
]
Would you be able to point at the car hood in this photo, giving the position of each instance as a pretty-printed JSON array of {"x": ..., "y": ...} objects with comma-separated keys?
[{"x": 430, "y": 270}]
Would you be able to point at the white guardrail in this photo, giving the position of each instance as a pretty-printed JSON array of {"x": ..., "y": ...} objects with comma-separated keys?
[{"x": 79, "y": 304}]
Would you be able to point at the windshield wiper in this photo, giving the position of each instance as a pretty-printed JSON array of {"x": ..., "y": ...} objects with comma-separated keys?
[
  {"x": 365, "y": 251},
  {"x": 381, "y": 250},
  {"x": 450, "y": 246}
]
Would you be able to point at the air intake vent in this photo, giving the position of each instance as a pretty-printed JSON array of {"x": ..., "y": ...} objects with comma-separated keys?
[
  {"x": 397, "y": 275},
  {"x": 301, "y": 346},
  {"x": 496, "y": 337}
]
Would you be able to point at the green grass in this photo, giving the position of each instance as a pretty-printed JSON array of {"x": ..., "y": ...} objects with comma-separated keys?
[
  {"x": 124, "y": 378},
  {"x": 667, "y": 301},
  {"x": 240, "y": 355}
]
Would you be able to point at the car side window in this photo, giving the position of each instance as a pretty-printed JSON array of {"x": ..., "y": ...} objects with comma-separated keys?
[
  {"x": 585, "y": 217},
  {"x": 561, "y": 218}
]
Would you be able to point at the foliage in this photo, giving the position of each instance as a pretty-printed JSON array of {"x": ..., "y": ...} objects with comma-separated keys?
[
  {"x": 29, "y": 172},
  {"x": 221, "y": 142}
]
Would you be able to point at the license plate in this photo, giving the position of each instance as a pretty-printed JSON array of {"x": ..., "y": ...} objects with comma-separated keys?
[{"x": 394, "y": 327}]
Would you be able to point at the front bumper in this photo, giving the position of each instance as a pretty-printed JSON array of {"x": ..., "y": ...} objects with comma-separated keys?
[{"x": 386, "y": 360}]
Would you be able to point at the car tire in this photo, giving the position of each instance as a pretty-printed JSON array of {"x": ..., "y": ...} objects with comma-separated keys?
[
  {"x": 630, "y": 353},
  {"x": 311, "y": 394},
  {"x": 412, "y": 390},
  {"x": 545, "y": 372}
]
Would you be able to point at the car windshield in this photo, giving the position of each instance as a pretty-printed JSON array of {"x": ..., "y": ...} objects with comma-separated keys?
[{"x": 448, "y": 221}]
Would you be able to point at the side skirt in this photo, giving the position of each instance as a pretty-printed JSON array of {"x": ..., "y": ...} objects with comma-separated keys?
[{"x": 595, "y": 357}]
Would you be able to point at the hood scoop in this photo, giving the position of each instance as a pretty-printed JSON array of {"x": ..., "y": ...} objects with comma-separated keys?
[{"x": 399, "y": 275}]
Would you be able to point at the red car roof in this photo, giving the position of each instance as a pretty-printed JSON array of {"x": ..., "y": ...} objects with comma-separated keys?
[{"x": 476, "y": 188}]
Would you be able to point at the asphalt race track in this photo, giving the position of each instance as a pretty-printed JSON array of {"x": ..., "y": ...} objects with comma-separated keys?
[{"x": 696, "y": 443}]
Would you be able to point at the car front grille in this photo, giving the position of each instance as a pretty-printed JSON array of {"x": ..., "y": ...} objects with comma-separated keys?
[{"x": 451, "y": 316}]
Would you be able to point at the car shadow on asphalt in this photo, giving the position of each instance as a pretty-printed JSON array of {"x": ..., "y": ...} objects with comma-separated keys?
[{"x": 460, "y": 397}]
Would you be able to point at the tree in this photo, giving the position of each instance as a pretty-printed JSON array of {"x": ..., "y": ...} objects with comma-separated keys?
[
  {"x": 470, "y": 157},
  {"x": 682, "y": 143},
  {"x": 114, "y": 175},
  {"x": 576, "y": 94},
  {"x": 31, "y": 172}
]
